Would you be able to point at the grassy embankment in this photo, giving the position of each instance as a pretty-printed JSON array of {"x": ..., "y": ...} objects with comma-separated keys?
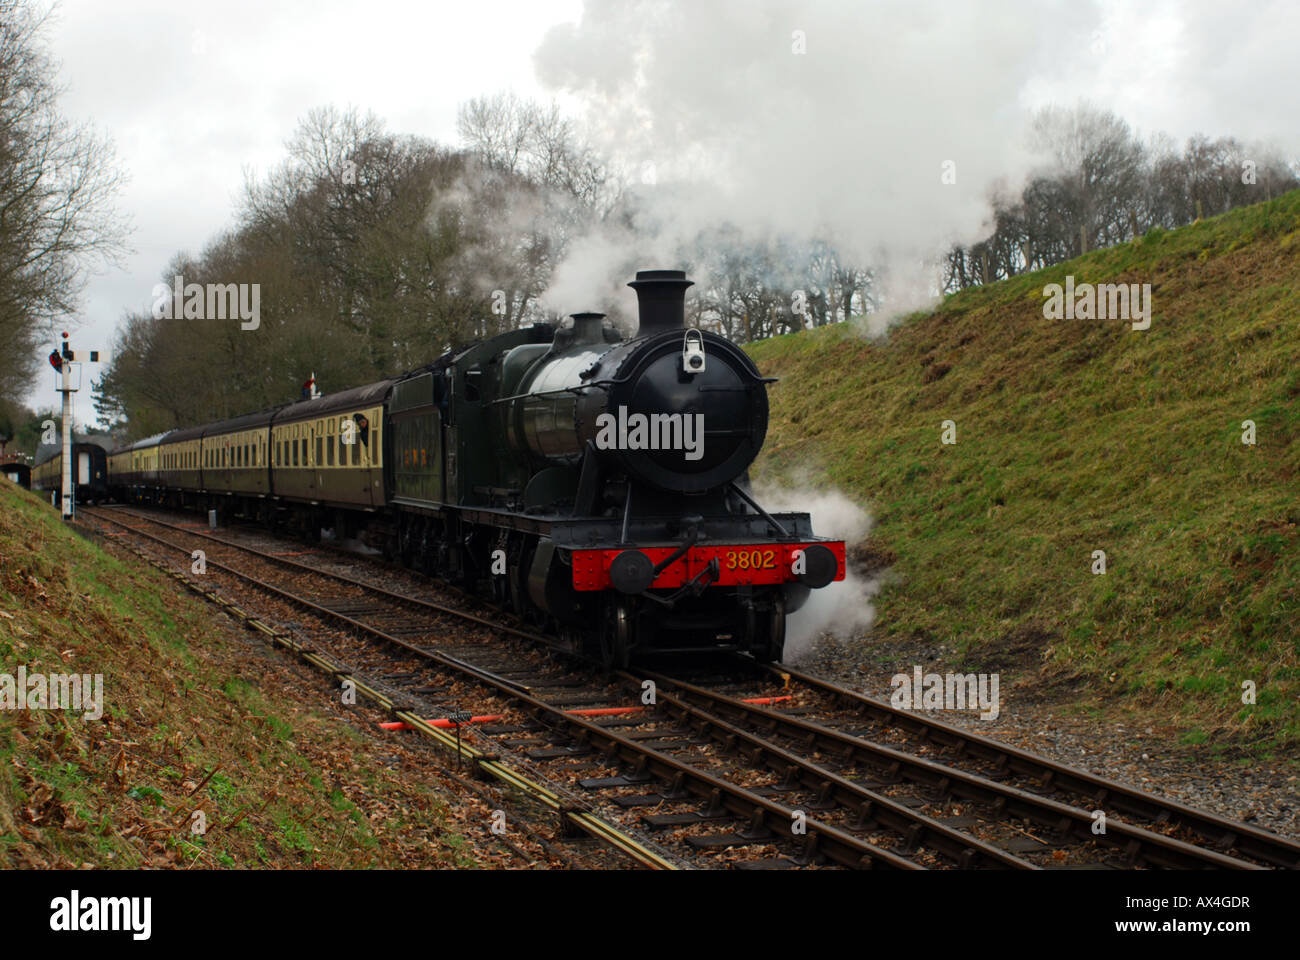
[
  {"x": 183, "y": 729},
  {"x": 1083, "y": 435}
]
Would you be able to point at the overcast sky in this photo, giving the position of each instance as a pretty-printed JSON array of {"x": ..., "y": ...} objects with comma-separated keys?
[{"x": 193, "y": 94}]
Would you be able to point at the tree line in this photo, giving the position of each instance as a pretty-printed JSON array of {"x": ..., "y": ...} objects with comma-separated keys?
[
  {"x": 1106, "y": 186},
  {"x": 375, "y": 252}
]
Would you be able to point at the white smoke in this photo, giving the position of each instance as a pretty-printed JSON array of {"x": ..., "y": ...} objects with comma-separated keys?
[
  {"x": 722, "y": 119},
  {"x": 842, "y": 609}
]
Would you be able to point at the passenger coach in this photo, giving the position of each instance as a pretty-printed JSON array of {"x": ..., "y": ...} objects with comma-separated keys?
[{"x": 90, "y": 482}]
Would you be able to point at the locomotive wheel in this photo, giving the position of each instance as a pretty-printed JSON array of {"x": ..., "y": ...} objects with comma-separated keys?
[{"x": 616, "y": 635}]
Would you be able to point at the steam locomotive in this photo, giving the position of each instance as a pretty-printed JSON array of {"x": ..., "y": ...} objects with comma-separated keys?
[{"x": 595, "y": 486}]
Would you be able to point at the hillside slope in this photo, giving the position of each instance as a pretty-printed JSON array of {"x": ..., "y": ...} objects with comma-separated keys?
[
  {"x": 1075, "y": 436},
  {"x": 192, "y": 718}
]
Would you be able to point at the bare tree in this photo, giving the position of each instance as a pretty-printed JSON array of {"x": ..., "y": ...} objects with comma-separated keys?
[
  {"x": 57, "y": 183},
  {"x": 539, "y": 143}
]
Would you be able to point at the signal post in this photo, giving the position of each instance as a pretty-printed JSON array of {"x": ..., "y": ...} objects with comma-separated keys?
[{"x": 67, "y": 365}]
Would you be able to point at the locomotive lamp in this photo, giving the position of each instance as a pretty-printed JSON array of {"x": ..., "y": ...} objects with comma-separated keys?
[{"x": 693, "y": 352}]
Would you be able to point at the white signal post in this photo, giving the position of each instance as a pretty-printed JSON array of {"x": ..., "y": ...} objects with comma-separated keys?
[{"x": 69, "y": 377}]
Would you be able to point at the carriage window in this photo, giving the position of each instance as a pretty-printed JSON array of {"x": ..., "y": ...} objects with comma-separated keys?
[
  {"x": 320, "y": 450},
  {"x": 376, "y": 448},
  {"x": 303, "y": 443},
  {"x": 329, "y": 453}
]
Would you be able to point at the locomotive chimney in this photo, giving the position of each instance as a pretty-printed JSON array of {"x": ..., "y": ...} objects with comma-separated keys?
[
  {"x": 661, "y": 299},
  {"x": 587, "y": 327}
]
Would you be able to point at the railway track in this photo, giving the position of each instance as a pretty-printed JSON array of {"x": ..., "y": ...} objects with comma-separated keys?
[{"x": 756, "y": 768}]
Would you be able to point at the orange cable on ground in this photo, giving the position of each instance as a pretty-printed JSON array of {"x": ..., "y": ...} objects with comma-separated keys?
[{"x": 444, "y": 724}]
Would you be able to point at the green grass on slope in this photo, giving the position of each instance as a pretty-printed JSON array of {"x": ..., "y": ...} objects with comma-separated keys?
[
  {"x": 181, "y": 731},
  {"x": 1083, "y": 435}
]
